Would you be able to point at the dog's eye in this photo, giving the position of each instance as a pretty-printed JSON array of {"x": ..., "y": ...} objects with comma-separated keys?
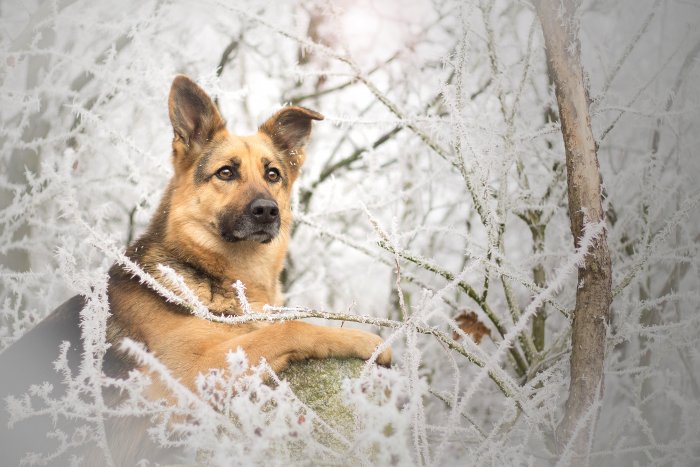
[
  {"x": 225, "y": 173},
  {"x": 272, "y": 175}
]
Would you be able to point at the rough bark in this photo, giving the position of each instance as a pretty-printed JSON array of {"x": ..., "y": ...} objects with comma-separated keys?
[{"x": 593, "y": 295}]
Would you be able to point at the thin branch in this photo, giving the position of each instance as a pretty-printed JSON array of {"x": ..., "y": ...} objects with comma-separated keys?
[
  {"x": 643, "y": 88},
  {"x": 298, "y": 99},
  {"x": 226, "y": 55},
  {"x": 465, "y": 416},
  {"x": 628, "y": 50},
  {"x": 656, "y": 240},
  {"x": 345, "y": 162},
  {"x": 357, "y": 153},
  {"x": 468, "y": 289},
  {"x": 347, "y": 241},
  {"x": 274, "y": 314}
]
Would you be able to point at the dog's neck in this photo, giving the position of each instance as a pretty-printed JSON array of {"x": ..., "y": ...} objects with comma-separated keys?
[
  {"x": 257, "y": 266},
  {"x": 210, "y": 267}
]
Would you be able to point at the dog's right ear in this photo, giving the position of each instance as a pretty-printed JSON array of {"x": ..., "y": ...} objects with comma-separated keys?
[{"x": 193, "y": 115}]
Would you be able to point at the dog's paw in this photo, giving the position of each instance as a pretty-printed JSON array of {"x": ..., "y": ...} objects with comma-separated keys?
[
  {"x": 367, "y": 343},
  {"x": 384, "y": 358}
]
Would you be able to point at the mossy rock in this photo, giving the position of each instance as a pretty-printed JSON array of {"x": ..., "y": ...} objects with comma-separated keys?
[{"x": 317, "y": 383}]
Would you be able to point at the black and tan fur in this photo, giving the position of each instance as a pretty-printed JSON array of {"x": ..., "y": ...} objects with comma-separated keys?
[{"x": 225, "y": 216}]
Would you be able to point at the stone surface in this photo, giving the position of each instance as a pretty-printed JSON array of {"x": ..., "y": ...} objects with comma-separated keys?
[{"x": 317, "y": 383}]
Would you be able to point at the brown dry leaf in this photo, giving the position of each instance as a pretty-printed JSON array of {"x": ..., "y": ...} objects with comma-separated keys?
[{"x": 469, "y": 322}]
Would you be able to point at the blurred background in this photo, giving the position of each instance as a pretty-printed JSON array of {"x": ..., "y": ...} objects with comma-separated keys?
[{"x": 439, "y": 170}]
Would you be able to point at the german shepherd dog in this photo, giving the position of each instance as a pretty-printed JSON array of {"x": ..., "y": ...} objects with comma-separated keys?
[{"x": 225, "y": 217}]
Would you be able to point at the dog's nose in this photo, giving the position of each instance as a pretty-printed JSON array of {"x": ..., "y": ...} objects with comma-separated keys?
[{"x": 264, "y": 210}]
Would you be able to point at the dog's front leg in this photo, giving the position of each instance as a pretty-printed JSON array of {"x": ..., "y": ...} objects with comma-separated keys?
[{"x": 281, "y": 343}]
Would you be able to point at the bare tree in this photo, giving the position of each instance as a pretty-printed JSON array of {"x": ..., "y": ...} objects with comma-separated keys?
[{"x": 593, "y": 295}]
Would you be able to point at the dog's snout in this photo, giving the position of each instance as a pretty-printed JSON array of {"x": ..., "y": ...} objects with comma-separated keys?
[
  {"x": 264, "y": 210},
  {"x": 258, "y": 221}
]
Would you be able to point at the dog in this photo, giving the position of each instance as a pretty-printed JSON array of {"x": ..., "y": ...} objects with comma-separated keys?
[{"x": 225, "y": 216}]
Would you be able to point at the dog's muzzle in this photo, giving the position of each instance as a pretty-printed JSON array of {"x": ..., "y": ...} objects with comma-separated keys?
[{"x": 259, "y": 222}]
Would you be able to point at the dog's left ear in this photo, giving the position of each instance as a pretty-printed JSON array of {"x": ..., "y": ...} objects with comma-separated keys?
[{"x": 289, "y": 130}]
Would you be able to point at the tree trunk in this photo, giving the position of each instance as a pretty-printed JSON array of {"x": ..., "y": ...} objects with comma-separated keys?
[{"x": 593, "y": 295}]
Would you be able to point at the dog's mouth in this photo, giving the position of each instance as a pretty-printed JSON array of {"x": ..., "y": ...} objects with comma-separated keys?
[
  {"x": 259, "y": 222},
  {"x": 261, "y": 235}
]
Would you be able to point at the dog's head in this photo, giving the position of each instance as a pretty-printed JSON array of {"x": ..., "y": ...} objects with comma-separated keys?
[{"x": 230, "y": 188}]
